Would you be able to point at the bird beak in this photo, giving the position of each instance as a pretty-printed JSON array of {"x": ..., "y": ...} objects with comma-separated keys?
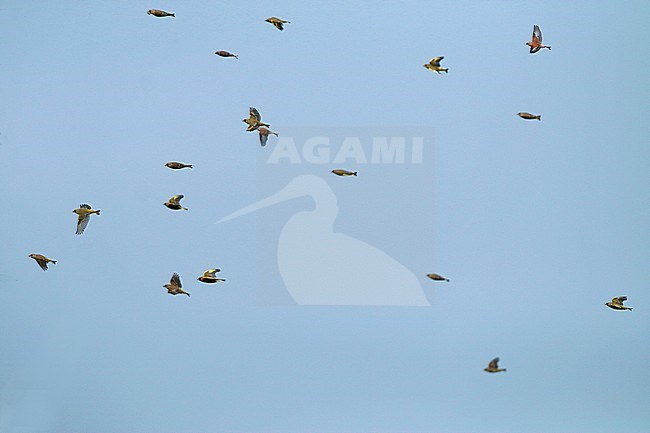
[{"x": 292, "y": 190}]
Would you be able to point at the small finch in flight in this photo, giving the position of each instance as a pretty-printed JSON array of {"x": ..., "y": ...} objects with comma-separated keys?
[
  {"x": 264, "y": 135},
  {"x": 210, "y": 276},
  {"x": 174, "y": 202},
  {"x": 160, "y": 14},
  {"x": 617, "y": 303},
  {"x": 529, "y": 116},
  {"x": 493, "y": 366},
  {"x": 175, "y": 287},
  {"x": 277, "y": 22},
  {"x": 84, "y": 213},
  {"x": 434, "y": 65},
  {"x": 254, "y": 120},
  {"x": 42, "y": 260},
  {"x": 341, "y": 172},
  {"x": 437, "y": 277},
  {"x": 177, "y": 165},
  {"x": 536, "y": 41},
  {"x": 226, "y": 54}
]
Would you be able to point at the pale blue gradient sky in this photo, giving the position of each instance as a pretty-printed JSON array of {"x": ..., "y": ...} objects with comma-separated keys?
[{"x": 536, "y": 223}]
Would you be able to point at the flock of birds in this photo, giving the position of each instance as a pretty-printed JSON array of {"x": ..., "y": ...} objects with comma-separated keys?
[{"x": 254, "y": 122}]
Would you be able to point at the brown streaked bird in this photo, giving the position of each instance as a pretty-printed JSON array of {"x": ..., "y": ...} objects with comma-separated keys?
[
  {"x": 254, "y": 120},
  {"x": 277, "y": 22},
  {"x": 226, "y": 54},
  {"x": 536, "y": 41},
  {"x": 529, "y": 116},
  {"x": 175, "y": 287},
  {"x": 341, "y": 172},
  {"x": 210, "y": 277},
  {"x": 434, "y": 65},
  {"x": 493, "y": 366},
  {"x": 177, "y": 165},
  {"x": 617, "y": 303},
  {"x": 264, "y": 135},
  {"x": 42, "y": 260},
  {"x": 84, "y": 213},
  {"x": 437, "y": 277},
  {"x": 174, "y": 202},
  {"x": 160, "y": 14}
]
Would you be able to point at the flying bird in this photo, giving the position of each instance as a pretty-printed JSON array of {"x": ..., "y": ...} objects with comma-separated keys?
[
  {"x": 341, "y": 172},
  {"x": 177, "y": 165},
  {"x": 254, "y": 120},
  {"x": 617, "y": 303},
  {"x": 226, "y": 54},
  {"x": 174, "y": 202},
  {"x": 84, "y": 213},
  {"x": 529, "y": 116},
  {"x": 493, "y": 366},
  {"x": 175, "y": 287},
  {"x": 210, "y": 277},
  {"x": 160, "y": 14},
  {"x": 536, "y": 42},
  {"x": 434, "y": 65},
  {"x": 42, "y": 260},
  {"x": 437, "y": 277},
  {"x": 277, "y": 22},
  {"x": 264, "y": 135}
]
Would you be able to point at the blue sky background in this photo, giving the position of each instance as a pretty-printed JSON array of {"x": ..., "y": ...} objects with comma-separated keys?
[{"x": 537, "y": 224}]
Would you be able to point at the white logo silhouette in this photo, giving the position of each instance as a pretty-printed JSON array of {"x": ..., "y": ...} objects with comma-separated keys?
[{"x": 322, "y": 267}]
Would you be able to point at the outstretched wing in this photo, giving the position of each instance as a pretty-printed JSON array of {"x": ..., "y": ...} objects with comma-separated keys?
[
  {"x": 619, "y": 300},
  {"x": 82, "y": 221},
  {"x": 211, "y": 272},
  {"x": 255, "y": 114},
  {"x": 42, "y": 263},
  {"x": 264, "y": 136},
  {"x": 85, "y": 206},
  {"x": 176, "y": 281},
  {"x": 494, "y": 364},
  {"x": 176, "y": 199},
  {"x": 537, "y": 34}
]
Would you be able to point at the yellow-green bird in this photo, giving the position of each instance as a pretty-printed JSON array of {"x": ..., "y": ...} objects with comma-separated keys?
[
  {"x": 493, "y": 366},
  {"x": 342, "y": 172},
  {"x": 84, "y": 212},
  {"x": 177, "y": 165},
  {"x": 277, "y": 22},
  {"x": 437, "y": 277},
  {"x": 174, "y": 202},
  {"x": 264, "y": 135},
  {"x": 254, "y": 120},
  {"x": 222, "y": 53},
  {"x": 175, "y": 287},
  {"x": 160, "y": 14},
  {"x": 42, "y": 260},
  {"x": 617, "y": 303},
  {"x": 434, "y": 65},
  {"x": 529, "y": 116},
  {"x": 210, "y": 276}
]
